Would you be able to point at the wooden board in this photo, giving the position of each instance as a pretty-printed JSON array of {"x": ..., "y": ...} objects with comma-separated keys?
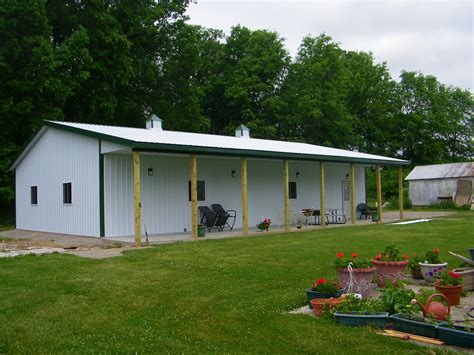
[{"x": 408, "y": 336}]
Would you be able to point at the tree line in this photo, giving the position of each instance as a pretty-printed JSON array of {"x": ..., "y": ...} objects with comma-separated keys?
[{"x": 116, "y": 62}]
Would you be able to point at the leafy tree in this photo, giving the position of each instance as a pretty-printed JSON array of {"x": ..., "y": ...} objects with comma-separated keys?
[{"x": 314, "y": 96}]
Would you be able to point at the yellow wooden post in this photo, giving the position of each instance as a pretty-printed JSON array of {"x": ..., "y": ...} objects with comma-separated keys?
[
  {"x": 194, "y": 204},
  {"x": 243, "y": 174},
  {"x": 323, "y": 194},
  {"x": 353, "y": 208},
  {"x": 137, "y": 198},
  {"x": 379, "y": 193},
  {"x": 400, "y": 192},
  {"x": 286, "y": 196}
]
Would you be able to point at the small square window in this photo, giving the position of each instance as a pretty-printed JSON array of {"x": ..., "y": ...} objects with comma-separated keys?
[
  {"x": 67, "y": 193},
  {"x": 292, "y": 190},
  {"x": 201, "y": 190},
  {"x": 34, "y": 195}
]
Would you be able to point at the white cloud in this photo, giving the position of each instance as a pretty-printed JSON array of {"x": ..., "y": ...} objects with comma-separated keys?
[{"x": 434, "y": 37}]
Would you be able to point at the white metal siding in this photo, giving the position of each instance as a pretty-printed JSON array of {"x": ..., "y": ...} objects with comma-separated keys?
[
  {"x": 165, "y": 201},
  {"x": 426, "y": 192},
  {"x": 60, "y": 157}
]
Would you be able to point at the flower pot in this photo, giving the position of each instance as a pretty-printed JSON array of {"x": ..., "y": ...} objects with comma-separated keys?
[
  {"x": 456, "y": 336},
  {"x": 317, "y": 304},
  {"x": 389, "y": 270},
  {"x": 416, "y": 274},
  {"x": 419, "y": 326},
  {"x": 363, "y": 278},
  {"x": 310, "y": 294},
  {"x": 452, "y": 293},
  {"x": 467, "y": 274},
  {"x": 429, "y": 271},
  {"x": 357, "y": 319}
]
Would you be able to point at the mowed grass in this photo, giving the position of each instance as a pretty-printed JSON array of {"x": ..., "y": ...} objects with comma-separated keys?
[{"x": 209, "y": 296}]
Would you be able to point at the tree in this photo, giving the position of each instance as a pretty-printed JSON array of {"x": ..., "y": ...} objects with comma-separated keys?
[{"x": 314, "y": 95}]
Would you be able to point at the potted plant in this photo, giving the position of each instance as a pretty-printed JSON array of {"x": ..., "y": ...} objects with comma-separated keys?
[
  {"x": 323, "y": 289},
  {"x": 449, "y": 284},
  {"x": 355, "y": 311},
  {"x": 408, "y": 318},
  {"x": 432, "y": 265},
  {"x": 355, "y": 274},
  {"x": 320, "y": 304},
  {"x": 457, "y": 334},
  {"x": 264, "y": 224},
  {"x": 390, "y": 265},
  {"x": 414, "y": 266}
]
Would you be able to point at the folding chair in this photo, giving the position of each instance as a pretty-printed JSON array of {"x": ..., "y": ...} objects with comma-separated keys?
[
  {"x": 225, "y": 218},
  {"x": 208, "y": 218}
]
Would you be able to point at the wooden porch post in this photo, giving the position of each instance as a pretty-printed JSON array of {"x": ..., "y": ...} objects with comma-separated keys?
[
  {"x": 400, "y": 192},
  {"x": 137, "y": 198},
  {"x": 353, "y": 208},
  {"x": 194, "y": 205},
  {"x": 286, "y": 196},
  {"x": 243, "y": 174},
  {"x": 323, "y": 194},
  {"x": 379, "y": 193}
]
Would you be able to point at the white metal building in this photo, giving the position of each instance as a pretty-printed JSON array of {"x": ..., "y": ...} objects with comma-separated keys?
[
  {"x": 79, "y": 178},
  {"x": 431, "y": 184}
]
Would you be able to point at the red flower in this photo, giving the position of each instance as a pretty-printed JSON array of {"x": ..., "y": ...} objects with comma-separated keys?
[
  {"x": 378, "y": 257},
  {"x": 321, "y": 281},
  {"x": 340, "y": 255},
  {"x": 405, "y": 256},
  {"x": 355, "y": 255},
  {"x": 453, "y": 274},
  {"x": 436, "y": 250}
]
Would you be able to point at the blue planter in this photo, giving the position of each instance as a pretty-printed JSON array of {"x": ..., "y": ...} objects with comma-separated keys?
[
  {"x": 456, "y": 336},
  {"x": 358, "y": 319},
  {"x": 420, "y": 327},
  {"x": 310, "y": 294}
]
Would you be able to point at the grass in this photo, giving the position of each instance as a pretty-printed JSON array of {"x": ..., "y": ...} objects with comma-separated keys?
[{"x": 221, "y": 296}]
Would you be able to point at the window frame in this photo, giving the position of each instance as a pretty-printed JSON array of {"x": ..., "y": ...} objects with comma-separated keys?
[
  {"x": 67, "y": 193},
  {"x": 34, "y": 195},
  {"x": 292, "y": 192},
  {"x": 201, "y": 190}
]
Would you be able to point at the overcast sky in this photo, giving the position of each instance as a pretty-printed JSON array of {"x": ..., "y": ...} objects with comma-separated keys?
[{"x": 434, "y": 37}]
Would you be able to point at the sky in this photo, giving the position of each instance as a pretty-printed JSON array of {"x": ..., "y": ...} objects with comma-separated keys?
[{"x": 434, "y": 37}]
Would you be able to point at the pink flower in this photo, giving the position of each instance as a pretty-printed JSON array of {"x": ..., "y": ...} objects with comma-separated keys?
[
  {"x": 378, "y": 257},
  {"x": 340, "y": 255}
]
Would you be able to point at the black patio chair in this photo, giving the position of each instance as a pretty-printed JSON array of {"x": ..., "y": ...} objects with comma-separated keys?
[
  {"x": 225, "y": 218},
  {"x": 209, "y": 218},
  {"x": 364, "y": 210}
]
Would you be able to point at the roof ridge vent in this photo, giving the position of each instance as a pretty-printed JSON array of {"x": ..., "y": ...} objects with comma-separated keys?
[
  {"x": 242, "y": 132},
  {"x": 154, "y": 122}
]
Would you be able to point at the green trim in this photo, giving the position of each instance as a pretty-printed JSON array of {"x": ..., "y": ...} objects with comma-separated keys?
[
  {"x": 187, "y": 149},
  {"x": 173, "y": 148},
  {"x": 101, "y": 191},
  {"x": 90, "y": 134}
]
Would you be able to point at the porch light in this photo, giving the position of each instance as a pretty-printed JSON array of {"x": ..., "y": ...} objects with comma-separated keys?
[
  {"x": 150, "y": 171},
  {"x": 347, "y": 176},
  {"x": 233, "y": 173},
  {"x": 298, "y": 175}
]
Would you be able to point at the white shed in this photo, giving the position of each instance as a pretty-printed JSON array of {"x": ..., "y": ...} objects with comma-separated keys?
[
  {"x": 431, "y": 184},
  {"x": 87, "y": 179}
]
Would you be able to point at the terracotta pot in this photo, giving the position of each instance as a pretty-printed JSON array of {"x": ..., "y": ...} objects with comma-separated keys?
[
  {"x": 429, "y": 271},
  {"x": 318, "y": 304},
  {"x": 391, "y": 270},
  {"x": 363, "y": 278},
  {"x": 452, "y": 293}
]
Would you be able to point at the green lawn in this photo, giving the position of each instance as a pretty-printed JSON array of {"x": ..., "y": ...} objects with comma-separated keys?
[{"x": 209, "y": 296}]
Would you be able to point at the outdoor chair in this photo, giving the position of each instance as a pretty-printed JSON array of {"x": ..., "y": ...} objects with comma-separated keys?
[
  {"x": 364, "y": 210},
  {"x": 209, "y": 218},
  {"x": 225, "y": 218}
]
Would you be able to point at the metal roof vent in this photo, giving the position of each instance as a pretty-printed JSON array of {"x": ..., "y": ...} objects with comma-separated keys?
[
  {"x": 154, "y": 122},
  {"x": 242, "y": 132}
]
